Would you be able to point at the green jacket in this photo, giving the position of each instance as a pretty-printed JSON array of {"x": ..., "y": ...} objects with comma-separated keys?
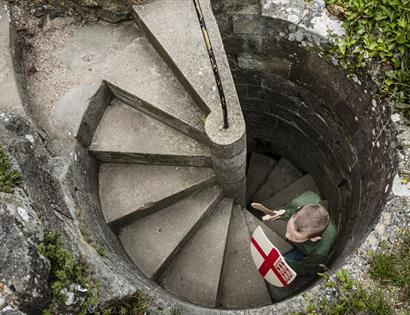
[{"x": 315, "y": 253}]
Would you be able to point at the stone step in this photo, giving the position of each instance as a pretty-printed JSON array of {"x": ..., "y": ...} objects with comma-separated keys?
[
  {"x": 306, "y": 183},
  {"x": 260, "y": 166},
  {"x": 195, "y": 273},
  {"x": 282, "y": 175},
  {"x": 155, "y": 239},
  {"x": 180, "y": 42},
  {"x": 286, "y": 195},
  {"x": 143, "y": 80},
  {"x": 279, "y": 241},
  {"x": 239, "y": 269},
  {"x": 127, "y": 135},
  {"x": 130, "y": 191}
]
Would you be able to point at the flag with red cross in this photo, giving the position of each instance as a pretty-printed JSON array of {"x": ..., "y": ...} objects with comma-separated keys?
[{"x": 269, "y": 261}]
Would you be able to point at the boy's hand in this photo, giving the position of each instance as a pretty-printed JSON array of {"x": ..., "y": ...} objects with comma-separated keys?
[
  {"x": 277, "y": 214},
  {"x": 270, "y": 214}
]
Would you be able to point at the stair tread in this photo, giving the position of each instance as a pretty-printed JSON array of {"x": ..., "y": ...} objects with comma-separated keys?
[
  {"x": 142, "y": 74},
  {"x": 181, "y": 41},
  {"x": 195, "y": 273},
  {"x": 128, "y": 134},
  {"x": 282, "y": 175},
  {"x": 129, "y": 189},
  {"x": 154, "y": 238},
  {"x": 260, "y": 166},
  {"x": 239, "y": 268},
  {"x": 276, "y": 239},
  {"x": 286, "y": 195}
]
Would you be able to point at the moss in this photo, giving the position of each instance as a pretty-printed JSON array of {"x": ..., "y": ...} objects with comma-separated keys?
[
  {"x": 9, "y": 178},
  {"x": 65, "y": 270}
]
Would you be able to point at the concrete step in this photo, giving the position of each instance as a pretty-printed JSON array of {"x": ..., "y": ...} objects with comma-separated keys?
[
  {"x": 306, "y": 183},
  {"x": 130, "y": 191},
  {"x": 239, "y": 269},
  {"x": 286, "y": 195},
  {"x": 180, "y": 42},
  {"x": 143, "y": 80},
  {"x": 127, "y": 135},
  {"x": 195, "y": 273},
  {"x": 279, "y": 241},
  {"x": 260, "y": 166},
  {"x": 282, "y": 175},
  {"x": 155, "y": 239}
]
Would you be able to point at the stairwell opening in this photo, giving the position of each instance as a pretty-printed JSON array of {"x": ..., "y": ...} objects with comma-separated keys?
[{"x": 300, "y": 106}]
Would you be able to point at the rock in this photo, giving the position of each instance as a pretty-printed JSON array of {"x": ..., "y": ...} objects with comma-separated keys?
[
  {"x": 22, "y": 269},
  {"x": 336, "y": 10},
  {"x": 76, "y": 295}
]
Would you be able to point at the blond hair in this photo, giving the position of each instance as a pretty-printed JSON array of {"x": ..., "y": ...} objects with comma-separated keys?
[{"x": 311, "y": 219}]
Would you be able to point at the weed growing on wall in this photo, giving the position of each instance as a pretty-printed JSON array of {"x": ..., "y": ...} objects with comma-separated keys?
[
  {"x": 65, "y": 270},
  {"x": 378, "y": 33},
  {"x": 9, "y": 178}
]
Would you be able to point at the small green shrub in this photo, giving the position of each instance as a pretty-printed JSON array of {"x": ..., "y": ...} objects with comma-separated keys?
[
  {"x": 378, "y": 32},
  {"x": 65, "y": 270},
  {"x": 8, "y": 178}
]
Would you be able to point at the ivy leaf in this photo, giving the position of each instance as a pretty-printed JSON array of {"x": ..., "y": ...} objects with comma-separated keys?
[{"x": 401, "y": 38}]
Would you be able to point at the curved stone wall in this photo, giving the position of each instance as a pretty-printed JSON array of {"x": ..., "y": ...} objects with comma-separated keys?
[{"x": 308, "y": 110}]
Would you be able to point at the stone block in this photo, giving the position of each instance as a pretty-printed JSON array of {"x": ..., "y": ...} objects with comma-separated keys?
[{"x": 274, "y": 65}]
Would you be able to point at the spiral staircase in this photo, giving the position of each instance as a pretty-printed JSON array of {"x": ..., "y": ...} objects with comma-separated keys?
[{"x": 171, "y": 180}]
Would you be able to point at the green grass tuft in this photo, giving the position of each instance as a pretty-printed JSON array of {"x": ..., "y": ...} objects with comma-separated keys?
[
  {"x": 393, "y": 268},
  {"x": 135, "y": 304}
]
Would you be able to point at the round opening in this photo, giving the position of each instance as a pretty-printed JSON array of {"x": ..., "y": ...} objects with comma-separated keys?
[{"x": 301, "y": 107}]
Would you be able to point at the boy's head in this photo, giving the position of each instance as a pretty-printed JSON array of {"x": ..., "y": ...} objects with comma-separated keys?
[{"x": 307, "y": 223}]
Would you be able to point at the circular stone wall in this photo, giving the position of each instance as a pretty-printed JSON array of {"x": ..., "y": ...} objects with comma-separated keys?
[{"x": 309, "y": 111}]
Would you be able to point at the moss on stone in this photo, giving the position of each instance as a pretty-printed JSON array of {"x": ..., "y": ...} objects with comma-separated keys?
[{"x": 9, "y": 178}]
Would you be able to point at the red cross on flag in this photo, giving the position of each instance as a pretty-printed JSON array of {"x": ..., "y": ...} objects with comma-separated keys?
[{"x": 269, "y": 261}]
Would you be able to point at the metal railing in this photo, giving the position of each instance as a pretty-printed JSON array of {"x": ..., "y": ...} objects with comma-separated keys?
[{"x": 213, "y": 62}]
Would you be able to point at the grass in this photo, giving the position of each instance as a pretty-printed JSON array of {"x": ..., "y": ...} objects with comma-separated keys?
[
  {"x": 392, "y": 268},
  {"x": 9, "y": 178},
  {"x": 135, "y": 304},
  {"x": 378, "y": 34}
]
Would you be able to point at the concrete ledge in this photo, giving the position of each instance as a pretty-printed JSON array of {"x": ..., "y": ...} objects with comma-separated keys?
[{"x": 10, "y": 100}]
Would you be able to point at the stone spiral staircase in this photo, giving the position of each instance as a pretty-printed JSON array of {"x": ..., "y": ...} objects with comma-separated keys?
[{"x": 171, "y": 180}]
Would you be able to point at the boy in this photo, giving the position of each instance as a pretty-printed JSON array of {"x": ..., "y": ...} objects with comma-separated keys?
[{"x": 309, "y": 230}]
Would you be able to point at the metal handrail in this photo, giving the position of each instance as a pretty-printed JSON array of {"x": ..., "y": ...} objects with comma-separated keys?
[{"x": 213, "y": 62}]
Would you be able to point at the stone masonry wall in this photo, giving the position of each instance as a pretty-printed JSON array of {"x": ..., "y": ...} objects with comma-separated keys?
[{"x": 309, "y": 110}]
